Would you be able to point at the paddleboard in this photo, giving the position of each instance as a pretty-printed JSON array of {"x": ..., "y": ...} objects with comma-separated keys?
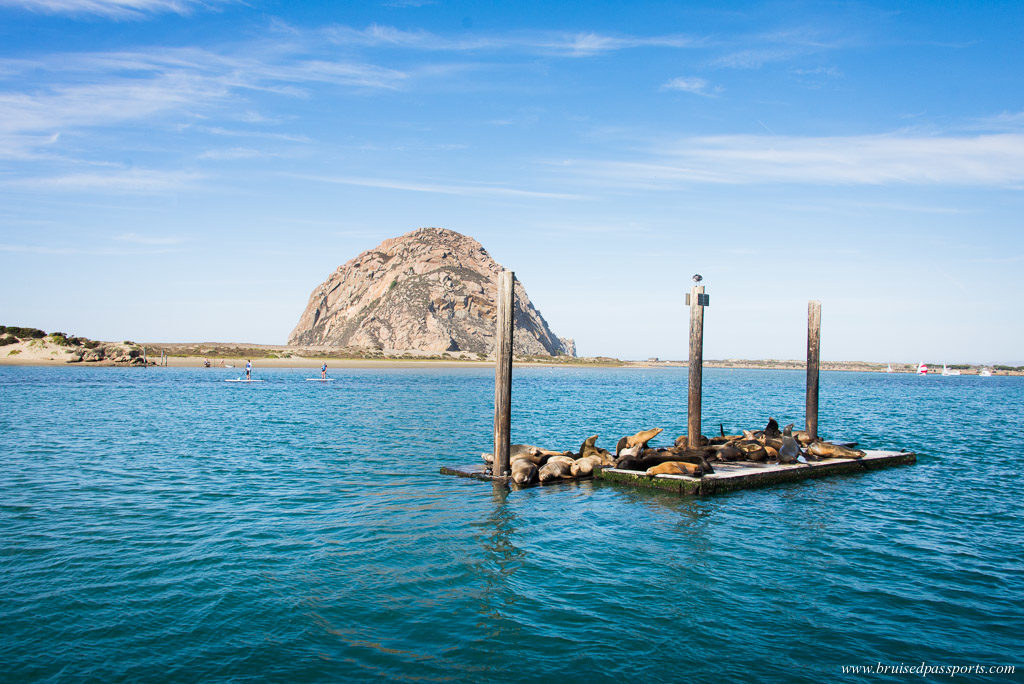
[
  {"x": 242, "y": 380},
  {"x": 320, "y": 379}
]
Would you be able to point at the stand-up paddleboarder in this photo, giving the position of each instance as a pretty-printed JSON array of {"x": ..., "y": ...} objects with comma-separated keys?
[{"x": 248, "y": 369}]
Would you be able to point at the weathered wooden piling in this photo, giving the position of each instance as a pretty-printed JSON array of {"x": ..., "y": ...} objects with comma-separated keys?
[
  {"x": 503, "y": 373},
  {"x": 697, "y": 301},
  {"x": 813, "y": 356}
]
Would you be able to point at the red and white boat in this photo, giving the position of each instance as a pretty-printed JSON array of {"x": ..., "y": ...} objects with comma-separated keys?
[{"x": 922, "y": 369}]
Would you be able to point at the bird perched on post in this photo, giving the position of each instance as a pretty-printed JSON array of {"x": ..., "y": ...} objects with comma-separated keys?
[{"x": 697, "y": 277}]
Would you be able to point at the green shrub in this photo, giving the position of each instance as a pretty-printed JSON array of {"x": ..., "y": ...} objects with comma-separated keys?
[
  {"x": 90, "y": 344},
  {"x": 5, "y": 340},
  {"x": 60, "y": 339},
  {"x": 22, "y": 333}
]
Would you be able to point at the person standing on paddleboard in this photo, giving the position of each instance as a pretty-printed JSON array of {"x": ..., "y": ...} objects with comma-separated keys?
[
  {"x": 248, "y": 369},
  {"x": 323, "y": 371}
]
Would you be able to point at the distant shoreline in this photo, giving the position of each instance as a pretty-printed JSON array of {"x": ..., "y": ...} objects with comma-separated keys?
[{"x": 50, "y": 351}]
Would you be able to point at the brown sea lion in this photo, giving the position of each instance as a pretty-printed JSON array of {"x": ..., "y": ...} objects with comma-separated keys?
[
  {"x": 515, "y": 451},
  {"x": 682, "y": 441},
  {"x": 556, "y": 470},
  {"x": 523, "y": 471},
  {"x": 752, "y": 450},
  {"x": 590, "y": 448},
  {"x": 773, "y": 453},
  {"x": 829, "y": 450},
  {"x": 561, "y": 458},
  {"x": 582, "y": 467},
  {"x": 679, "y": 468},
  {"x": 729, "y": 452},
  {"x": 642, "y": 438},
  {"x": 803, "y": 437},
  {"x": 772, "y": 429}
]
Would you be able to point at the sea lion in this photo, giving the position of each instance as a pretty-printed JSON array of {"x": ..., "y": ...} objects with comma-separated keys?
[
  {"x": 679, "y": 468},
  {"x": 590, "y": 448},
  {"x": 752, "y": 450},
  {"x": 753, "y": 436},
  {"x": 524, "y": 471},
  {"x": 829, "y": 450},
  {"x": 683, "y": 440},
  {"x": 729, "y": 452},
  {"x": 641, "y": 438},
  {"x": 772, "y": 429},
  {"x": 556, "y": 470},
  {"x": 561, "y": 458},
  {"x": 653, "y": 457},
  {"x": 803, "y": 437},
  {"x": 622, "y": 452},
  {"x": 582, "y": 467},
  {"x": 790, "y": 451},
  {"x": 516, "y": 451},
  {"x": 773, "y": 453}
]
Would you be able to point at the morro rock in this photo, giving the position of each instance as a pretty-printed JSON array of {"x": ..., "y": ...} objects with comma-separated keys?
[{"x": 431, "y": 290}]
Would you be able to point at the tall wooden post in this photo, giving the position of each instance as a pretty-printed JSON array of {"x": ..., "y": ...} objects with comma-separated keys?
[
  {"x": 813, "y": 357},
  {"x": 697, "y": 301},
  {"x": 503, "y": 373}
]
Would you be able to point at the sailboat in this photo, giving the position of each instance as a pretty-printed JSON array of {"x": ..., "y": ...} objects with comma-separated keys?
[
  {"x": 946, "y": 371},
  {"x": 985, "y": 373},
  {"x": 888, "y": 368},
  {"x": 922, "y": 369}
]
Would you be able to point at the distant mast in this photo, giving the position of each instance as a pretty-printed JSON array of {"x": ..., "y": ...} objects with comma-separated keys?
[{"x": 922, "y": 369}]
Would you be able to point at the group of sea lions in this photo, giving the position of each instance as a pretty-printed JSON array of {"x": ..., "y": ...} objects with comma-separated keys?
[
  {"x": 772, "y": 446},
  {"x": 531, "y": 464}
]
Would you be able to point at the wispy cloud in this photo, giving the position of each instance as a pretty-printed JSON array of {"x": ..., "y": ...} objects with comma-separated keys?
[
  {"x": 65, "y": 92},
  {"x": 441, "y": 188},
  {"x": 694, "y": 85},
  {"x": 996, "y": 160},
  {"x": 131, "y": 181},
  {"x": 568, "y": 44},
  {"x": 779, "y": 46},
  {"x": 116, "y": 9}
]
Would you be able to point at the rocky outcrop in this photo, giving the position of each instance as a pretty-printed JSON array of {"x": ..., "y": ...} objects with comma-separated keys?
[{"x": 431, "y": 290}]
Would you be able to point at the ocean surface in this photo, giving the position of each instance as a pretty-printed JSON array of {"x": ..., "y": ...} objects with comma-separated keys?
[{"x": 162, "y": 525}]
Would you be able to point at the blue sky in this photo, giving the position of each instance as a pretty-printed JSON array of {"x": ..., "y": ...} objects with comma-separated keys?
[{"x": 179, "y": 171}]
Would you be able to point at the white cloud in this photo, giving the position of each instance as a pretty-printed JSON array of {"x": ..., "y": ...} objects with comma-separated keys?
[
  {"x": 116, "y": 9},
  {"x": 695, "y": 85},
  {"x": 995, "y": 160}
]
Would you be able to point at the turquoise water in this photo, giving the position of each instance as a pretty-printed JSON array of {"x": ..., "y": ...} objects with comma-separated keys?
[{"x": 161, "y": 524}]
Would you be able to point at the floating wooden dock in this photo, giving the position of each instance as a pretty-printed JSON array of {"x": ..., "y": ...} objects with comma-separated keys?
[
  {"x": 730, "y": 477},
  {"x": 727, "y": 477}
]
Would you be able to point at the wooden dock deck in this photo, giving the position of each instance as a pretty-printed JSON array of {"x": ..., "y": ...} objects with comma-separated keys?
[{"x": 735, "y": 476}]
